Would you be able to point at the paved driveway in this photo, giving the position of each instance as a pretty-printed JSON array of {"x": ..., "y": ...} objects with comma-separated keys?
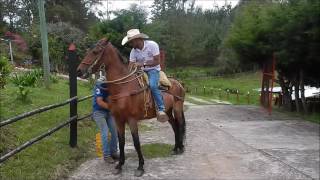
[{"x": 225, "y": 142}]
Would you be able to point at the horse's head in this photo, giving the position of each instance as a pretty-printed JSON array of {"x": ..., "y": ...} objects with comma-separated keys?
[{"x": 92, "y": 61}]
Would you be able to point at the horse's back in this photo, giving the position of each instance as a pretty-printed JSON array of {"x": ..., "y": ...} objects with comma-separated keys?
[{"x": 176, "y": 89}]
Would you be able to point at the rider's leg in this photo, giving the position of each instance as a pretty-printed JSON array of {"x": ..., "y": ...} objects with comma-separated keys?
[{"x": 154, "y": 83}]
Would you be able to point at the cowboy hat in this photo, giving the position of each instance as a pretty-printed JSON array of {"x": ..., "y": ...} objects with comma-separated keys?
[{"x": 133, "y": 34}]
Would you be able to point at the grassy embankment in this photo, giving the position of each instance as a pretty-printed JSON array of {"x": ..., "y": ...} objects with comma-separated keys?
[
  {"x": 52, "y": 157},
  {"x": 200, "y": 82},
  {"x": 216, "y": 88}
]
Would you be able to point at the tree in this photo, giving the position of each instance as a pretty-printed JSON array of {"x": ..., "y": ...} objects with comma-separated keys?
[
  {"x": 116, "y": 29},
  {"x": 290, "y": 30},
  {"x": 190, "y": 36}
]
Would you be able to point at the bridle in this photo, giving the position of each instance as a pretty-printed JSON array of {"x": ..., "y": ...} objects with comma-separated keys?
[{"x": 102, "y": 47}]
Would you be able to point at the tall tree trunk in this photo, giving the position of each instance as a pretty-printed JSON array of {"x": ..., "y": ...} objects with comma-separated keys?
[
  {"x": 296, "y": 93},
  {"x": 303, "y": 99},
  {"x": 286, "y": 93}
]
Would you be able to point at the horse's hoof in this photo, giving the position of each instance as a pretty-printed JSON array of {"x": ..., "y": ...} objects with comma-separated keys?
[
  {"x": 117, "y": 171},
  {"x": 138, "y": 172},
  {"x": 180, "y": 150},
  {"x": 177, "y": 151},
  {"x": 174, "y": 152}
]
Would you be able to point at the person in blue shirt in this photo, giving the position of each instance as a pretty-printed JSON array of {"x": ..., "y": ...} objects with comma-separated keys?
[{"x": 105, "y": 122}]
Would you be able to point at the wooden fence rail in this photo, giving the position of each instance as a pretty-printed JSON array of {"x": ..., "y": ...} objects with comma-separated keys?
[{"x": 73, "y": 116}]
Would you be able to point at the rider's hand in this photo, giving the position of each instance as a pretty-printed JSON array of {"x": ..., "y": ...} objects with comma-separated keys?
[{"x": 139, "y": 64}]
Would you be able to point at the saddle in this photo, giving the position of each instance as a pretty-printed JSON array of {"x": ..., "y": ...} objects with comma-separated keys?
[{"x": 164, "y": 85}]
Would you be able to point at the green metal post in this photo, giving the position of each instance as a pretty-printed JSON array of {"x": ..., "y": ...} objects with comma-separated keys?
[{"x": 44, "y": 42}]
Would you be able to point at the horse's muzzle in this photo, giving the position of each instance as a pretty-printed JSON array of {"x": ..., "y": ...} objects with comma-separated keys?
[{"x": 79, "y": 73}]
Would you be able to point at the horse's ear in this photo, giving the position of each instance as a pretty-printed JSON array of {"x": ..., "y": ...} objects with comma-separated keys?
[{"x": 104, "y": 40}]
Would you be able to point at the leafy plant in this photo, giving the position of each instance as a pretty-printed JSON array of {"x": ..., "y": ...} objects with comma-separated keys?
[
  {"x": 5, "y": 69},
  {"x": 28, "y": 79},
  {"x": 54, "y": 79},
  {"x": 23, "y": 93}
]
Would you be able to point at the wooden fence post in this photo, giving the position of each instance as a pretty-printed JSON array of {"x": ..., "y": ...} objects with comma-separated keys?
[
  {"x": 228, "y": 94},
  {"x": 237, "y": 96},
  {"x": 72, "y": 60}
]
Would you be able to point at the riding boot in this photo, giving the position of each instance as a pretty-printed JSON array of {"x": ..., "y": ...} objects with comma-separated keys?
[{"x": 162, "y": 116}]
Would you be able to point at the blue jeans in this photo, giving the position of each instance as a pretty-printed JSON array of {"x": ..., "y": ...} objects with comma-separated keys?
[
  {"x": 106, "y": 123},
  {"x": 154, "y": 86}
]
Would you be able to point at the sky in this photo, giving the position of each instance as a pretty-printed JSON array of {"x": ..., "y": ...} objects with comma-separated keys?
[{"x": 113, "y": 5}]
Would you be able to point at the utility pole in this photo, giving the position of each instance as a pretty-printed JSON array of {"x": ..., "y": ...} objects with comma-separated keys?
[
  {"x": 215, "y": 5},
  {"x": 10, "y": 48},
  {"x": 108, "y": 17},
  {"x": 44, "y": 43}
]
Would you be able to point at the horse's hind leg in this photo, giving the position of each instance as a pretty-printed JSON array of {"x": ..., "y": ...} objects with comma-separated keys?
[
  {"x": 181, "y": 124},
  {"x": 121, "y": 137},
  {"x": 174, "y": 126},
  {"x": 135, "y": 136}
]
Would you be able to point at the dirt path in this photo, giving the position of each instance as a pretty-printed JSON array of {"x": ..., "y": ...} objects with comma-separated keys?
[{"x": 225, "y": 142}]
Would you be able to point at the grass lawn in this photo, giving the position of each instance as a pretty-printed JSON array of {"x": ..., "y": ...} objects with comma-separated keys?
[
  {"x": 195, "y": 79},
  {"x": 226, "y": 87},
  {"x": 52, "y": 157}
]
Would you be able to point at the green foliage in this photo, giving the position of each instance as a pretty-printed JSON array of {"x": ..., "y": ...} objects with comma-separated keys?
[
  {"x": 24, "y": 81},
  {"x": 54, "y": 79},
  {"x": 27, "y": 79},
  {"x": 189, "y": 36},
  {"x": 201, "y": 82},
  {"x": 156, "y": 150},
  {"x": 289, "y": 29},
  {"x": 22, "y": 93},
  {"x": 57, "y": 52},
  {"x": 115, "y": 29},
  {"x": 52, "y": 157},
  {"x": 5, "y": 69}
]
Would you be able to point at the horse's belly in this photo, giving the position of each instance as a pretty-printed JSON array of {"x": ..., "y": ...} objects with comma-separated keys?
[{"x": 130, "y": 109}]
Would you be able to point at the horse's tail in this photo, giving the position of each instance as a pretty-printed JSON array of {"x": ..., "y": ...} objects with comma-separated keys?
[
  {"x": 179, "y": 99},
  {"x": 183, "y": 129}
]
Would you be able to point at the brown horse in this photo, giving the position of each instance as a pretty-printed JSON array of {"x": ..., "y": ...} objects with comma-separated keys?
[{"x": 127, "y": 98}]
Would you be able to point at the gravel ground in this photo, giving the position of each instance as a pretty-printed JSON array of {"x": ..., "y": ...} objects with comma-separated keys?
[{"x": 224, "y": 142}]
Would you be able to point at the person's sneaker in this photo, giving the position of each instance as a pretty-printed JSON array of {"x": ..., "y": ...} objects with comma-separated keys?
[
  {"x": 115, "y": 156},
  {"x": 109, "y": 160},
  {"x": 162, "y": 116}
]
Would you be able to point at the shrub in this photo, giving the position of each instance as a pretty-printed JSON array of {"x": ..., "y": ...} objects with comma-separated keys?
[
  {"x": 23, "y": 93},
  {"x": 27, "y": 79},
  {"x": 54, "y": 79},
  {"x": 5, "y": 69}
]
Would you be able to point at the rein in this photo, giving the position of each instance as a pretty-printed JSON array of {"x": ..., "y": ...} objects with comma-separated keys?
[{"x": 118, "y": 81}]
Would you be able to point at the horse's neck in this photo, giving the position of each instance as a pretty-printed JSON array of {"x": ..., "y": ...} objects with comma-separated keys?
[
  {"x": 116, "y": 69},
  {"x": 116, "y": 72}
]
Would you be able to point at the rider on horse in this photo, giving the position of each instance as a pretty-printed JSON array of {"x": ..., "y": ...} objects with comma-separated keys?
[{"x": 145, "y": 53}]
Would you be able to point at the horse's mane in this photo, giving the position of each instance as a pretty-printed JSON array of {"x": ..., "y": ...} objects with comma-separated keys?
[{"x": 123, "y": 59}]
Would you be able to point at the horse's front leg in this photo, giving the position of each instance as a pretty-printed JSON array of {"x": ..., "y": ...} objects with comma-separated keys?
[
  {"x": 133, "y": 124},
  {"x": 121, "y": 137}
]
